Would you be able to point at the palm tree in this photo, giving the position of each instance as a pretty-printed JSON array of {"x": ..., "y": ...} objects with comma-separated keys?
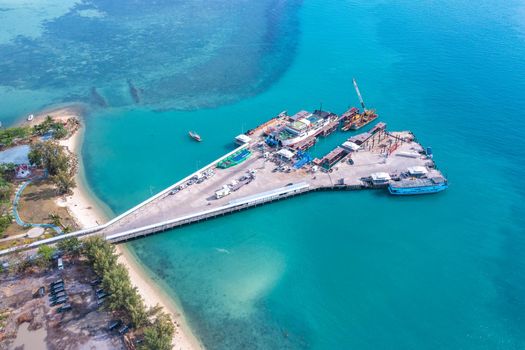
[{"x": 55, "y": 219}]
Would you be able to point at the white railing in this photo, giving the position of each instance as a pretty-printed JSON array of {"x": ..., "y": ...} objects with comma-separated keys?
[{"x": 94, "y": 229}]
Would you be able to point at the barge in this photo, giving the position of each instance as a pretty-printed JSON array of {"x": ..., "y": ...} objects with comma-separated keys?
[{"x": 353, "y": 119}]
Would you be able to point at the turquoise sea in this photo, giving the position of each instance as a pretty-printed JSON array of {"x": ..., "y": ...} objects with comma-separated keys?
[{"x": 341, "y": 270}]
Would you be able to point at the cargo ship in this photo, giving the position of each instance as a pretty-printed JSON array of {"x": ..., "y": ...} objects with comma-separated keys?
[
  {"x": 236, "y": 158},
  {"x": 406, "y": 187}
]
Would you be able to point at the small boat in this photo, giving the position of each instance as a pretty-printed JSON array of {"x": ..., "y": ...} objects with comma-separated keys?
[
  {"x": 30, "y": 117},
  {"x": 195, "y": 136}
]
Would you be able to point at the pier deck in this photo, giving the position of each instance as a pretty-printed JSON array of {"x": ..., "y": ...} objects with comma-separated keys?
[{"x": 200, "y": 197}]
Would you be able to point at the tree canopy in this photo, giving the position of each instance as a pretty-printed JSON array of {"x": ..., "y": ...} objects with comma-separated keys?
[
  {"x": 45, "y": 255},
  {"x": 70, "y": 246},
  {"x": 123, "y": 296},
  {"x": 60, "y": 164},
  {"x": 159, "y": 335}
]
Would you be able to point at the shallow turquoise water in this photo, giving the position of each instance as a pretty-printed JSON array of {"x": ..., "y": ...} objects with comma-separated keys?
[{"x": 352, "y": 270}]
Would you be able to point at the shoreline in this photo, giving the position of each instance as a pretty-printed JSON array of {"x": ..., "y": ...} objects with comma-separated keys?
[
  {"x": 88, "y": 211},
  {"x": 151, "y": 292}
]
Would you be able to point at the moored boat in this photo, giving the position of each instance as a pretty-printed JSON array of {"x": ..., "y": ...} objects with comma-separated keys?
[
  {"x": 236, "y": 158},
  {"x": 418, "y": 186},
  {"x": 30, "y": 117},
  {"x": 195, "y": 136},
  {"x": 353, "y": 118},
  {"x": 301, "y": 126}
]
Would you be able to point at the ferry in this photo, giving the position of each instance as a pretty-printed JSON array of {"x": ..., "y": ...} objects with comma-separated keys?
[
  {"x": 418, "y": 186},
  {"x": 195, "y": 136},
  {"x": 302, "y": 125},
  {"x": 236, "y": 158}
]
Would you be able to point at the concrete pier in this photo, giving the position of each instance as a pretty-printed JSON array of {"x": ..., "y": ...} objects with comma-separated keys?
[{"x": 382, "y": 152}]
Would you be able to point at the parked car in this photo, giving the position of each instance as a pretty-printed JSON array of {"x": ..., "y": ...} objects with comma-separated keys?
[
  {"x": 57, "y": 285},
  {"x": 40, "y": 292},
  {"x": 102, "y": 295},
  {"x": 59, "y": 281},
  {"x": 58, "y": 301},
  {"x": 96, "y": 281},
  {"x": 123, "y": 330},
  {"x": 114, "y": 324},
  {"x": 57, "y": 290},
  {"x": 56, "y": 296},
  {"x": 57, "y": 254},
  {"x": 64, "y": 308}
]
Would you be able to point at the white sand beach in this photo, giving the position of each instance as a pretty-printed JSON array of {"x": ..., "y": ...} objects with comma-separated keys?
[{"x": 86, "y": 210}]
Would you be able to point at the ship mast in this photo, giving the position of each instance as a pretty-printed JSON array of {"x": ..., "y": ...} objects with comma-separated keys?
[{"x": 359, "y": 95}]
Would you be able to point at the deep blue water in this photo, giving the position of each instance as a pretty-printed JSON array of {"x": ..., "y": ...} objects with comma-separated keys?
[{"x": 341, "y": 270}]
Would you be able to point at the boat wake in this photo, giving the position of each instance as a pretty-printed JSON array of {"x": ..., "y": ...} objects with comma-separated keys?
[{"x": 222, "y": 250}]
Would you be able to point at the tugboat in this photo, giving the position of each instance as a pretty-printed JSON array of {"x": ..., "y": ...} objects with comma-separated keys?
[{"x": 195, "y": 136}]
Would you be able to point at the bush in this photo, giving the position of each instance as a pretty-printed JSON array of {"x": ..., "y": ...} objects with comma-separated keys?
[{"x": 45, "y": 255}]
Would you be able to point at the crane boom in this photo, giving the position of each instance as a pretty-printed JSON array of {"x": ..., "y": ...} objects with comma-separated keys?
[{"x": 359, "y": 95}]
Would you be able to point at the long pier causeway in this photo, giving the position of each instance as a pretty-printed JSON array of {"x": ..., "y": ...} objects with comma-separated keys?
[{"x": 264, "y": 177}]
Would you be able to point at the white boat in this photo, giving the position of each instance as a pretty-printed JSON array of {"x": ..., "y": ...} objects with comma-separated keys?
[
  {"x": 291, "y": 135},
  {"x": 195, "y": 136},
  {"x": 30, "y": 117}
]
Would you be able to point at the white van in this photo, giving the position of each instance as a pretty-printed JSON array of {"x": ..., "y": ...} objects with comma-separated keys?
[{"x": 60, "y": 264}]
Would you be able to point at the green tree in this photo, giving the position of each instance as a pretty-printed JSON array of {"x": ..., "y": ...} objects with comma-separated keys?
[
  {"x": 9, "y": 135},
  {"x": 60, "y": 132},
  {"x": 51, "y": 156},
  {"x": 55, "y": 219},
  {"x": 45, "y": 255},
  {"x": 64, "y": 182},
  {"x": 6, "y": 189},
  {"x": 5, "y": 221},
  {"x": 60, "y": 164},
  {"x": 159, "y": 335},
  {"x": 70, "y": 246},
  {"x": 115, "y": 280},
  {"x": 101, "y": 254}
]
